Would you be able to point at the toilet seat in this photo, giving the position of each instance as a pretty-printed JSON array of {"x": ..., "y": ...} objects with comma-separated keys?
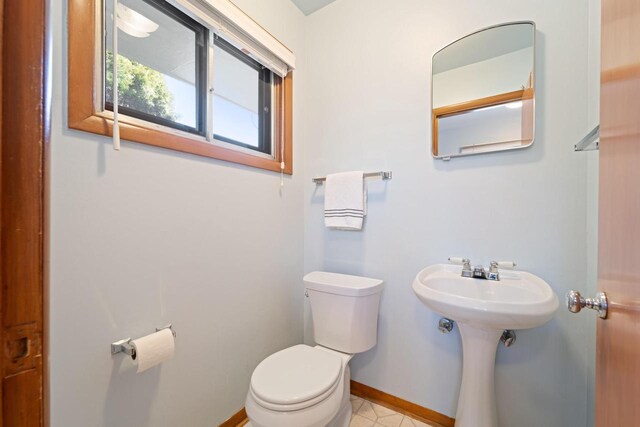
[{"x": 296, "y": 378}]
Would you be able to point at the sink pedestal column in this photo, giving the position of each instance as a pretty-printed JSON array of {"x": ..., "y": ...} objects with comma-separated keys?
[{"x": 477, "y": 400}]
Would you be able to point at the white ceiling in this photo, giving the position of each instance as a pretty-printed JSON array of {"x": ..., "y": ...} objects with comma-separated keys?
[
  {"x": 309, "y": 6},
  {"x": 176, "y": 42},
  {"x": 483, "y": 45},
  {"x": 170, "y": 49}
]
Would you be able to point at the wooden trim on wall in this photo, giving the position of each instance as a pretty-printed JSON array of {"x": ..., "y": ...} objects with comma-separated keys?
[
  {"x": 287, "y": 110},
  {"x": 238, "y": 419},
  {"x": 449, "y": 110},
  {"x": 371, "y": 394},
  {"x": 527, "y": 120},
  {"x": 24, "y": 136},
  {"x": 46, "y": 234},
  {"x": 2, "y": 338},
  {"x": 434, "y": 131},
  {"x": 83, "y": 98},
  {"x": 402, "y": 406},
  {"x": 474, "y": 104}
]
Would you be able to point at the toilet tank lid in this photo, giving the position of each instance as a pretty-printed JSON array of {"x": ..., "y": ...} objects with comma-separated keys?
[{"x": 342, "y": 284}]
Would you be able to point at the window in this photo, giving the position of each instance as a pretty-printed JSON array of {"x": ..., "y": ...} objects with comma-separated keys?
[
  {"x": 187, "y": 79},
  {"x": 241, "y": 99},
  {"x": 162, "y": 57}
]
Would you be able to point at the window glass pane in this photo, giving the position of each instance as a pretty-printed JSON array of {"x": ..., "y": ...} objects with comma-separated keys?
[
  {"x": 236, "y": 100},
  {"x": 156, "y": 62}
]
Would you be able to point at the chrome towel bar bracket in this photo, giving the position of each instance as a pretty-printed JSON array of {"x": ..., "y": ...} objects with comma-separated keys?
[{"x": 384, "y": 175}]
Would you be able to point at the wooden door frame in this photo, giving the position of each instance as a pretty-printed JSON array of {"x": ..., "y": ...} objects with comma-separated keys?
[{"x": 25, "y": 105}]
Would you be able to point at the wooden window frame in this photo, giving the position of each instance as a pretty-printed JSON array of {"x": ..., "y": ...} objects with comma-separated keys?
[
  {"x": 475, "y": 104},
  {"x": 85, "y": 113}
]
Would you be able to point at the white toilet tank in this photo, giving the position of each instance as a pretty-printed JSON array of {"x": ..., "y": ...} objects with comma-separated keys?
[{"x": 344, "y": 309}]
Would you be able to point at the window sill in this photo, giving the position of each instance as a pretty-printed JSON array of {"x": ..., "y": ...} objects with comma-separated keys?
[{"x": 101, "y": 124}]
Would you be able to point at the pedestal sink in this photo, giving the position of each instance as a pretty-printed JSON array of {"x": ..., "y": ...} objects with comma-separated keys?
[{"x": 483, "y": 309}]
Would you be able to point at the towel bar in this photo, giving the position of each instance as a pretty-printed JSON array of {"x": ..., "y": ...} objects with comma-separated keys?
[{"x": 385, "y": 175}]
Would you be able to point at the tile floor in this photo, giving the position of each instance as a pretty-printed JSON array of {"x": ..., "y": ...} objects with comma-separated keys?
[{"x": 369, "y": 414}]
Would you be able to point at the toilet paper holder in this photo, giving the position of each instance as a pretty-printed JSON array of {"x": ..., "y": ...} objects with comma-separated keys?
[{"x": 124, "y": 346}]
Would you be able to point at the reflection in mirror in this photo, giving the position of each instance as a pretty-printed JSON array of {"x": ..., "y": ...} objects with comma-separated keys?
[{"x": 483, "y": 92}]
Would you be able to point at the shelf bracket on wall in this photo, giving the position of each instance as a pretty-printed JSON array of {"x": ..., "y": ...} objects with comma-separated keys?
[{"x": 590, "y": 142}]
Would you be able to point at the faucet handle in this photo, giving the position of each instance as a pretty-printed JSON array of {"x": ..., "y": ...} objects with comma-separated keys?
[
  {"x": 505, "y": 265},
  {"x": 466, "y": 265},
  {"x": 465, "y": 262},
  {"x": 493, "y": 267}
]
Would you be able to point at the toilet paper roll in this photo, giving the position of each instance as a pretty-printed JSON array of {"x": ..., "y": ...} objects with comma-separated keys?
[{"x": 154, "y": 349}]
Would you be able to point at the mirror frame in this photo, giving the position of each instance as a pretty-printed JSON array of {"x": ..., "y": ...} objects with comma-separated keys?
[{"x": 492, "y": 100}]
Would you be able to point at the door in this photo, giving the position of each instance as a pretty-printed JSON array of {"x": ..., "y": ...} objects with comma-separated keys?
[
  {"x": 24, "y": 111},
  {"x": 618, "y": 336}
]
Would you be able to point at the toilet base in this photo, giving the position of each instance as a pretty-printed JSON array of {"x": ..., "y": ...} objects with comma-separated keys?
[
  {"x": 341, "y": 419},
  {"x": 344, "y": 416}
]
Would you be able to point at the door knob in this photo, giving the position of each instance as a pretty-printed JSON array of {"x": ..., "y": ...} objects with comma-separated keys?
[{"x": 576, "y": 302}]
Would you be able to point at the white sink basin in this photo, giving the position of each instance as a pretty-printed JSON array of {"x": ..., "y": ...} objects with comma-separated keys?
[
  {"x": 520, "y": 300},
  {"x": 482, "y": 309}
]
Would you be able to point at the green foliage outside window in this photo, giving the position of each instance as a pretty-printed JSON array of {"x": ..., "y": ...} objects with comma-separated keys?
[{"x": 140, "y": 88}]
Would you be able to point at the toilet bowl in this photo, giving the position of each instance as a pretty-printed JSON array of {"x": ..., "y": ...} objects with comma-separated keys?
[
  {"x": 300, "y": 386},
  {"x": 303, "y": 386}
]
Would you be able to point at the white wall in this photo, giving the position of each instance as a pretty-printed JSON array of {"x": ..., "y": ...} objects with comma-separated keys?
[
  {"x": 491, "y": 125},
  {"x": 501, "y": 74},
  {"x": 367, "y": 107},
  {"x": 146, "y": 236}
]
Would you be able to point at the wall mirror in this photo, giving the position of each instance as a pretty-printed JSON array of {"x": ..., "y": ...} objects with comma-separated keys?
[{"x": 483, "y": 94}]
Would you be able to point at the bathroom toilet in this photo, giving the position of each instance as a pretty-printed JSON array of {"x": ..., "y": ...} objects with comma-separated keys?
[{"x": 304, "y": 386}]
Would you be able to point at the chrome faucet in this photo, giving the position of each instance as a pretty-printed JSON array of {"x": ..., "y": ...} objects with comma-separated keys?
[
  {"x": 493, "y": 273},
  {"x": 480, "y": 273},
  {"x": 466, "y": 265},
  {"x": 466, "y": 268}
]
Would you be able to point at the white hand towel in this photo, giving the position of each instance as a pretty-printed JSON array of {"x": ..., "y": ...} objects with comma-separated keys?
[{"x": 345, "y": 201}]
